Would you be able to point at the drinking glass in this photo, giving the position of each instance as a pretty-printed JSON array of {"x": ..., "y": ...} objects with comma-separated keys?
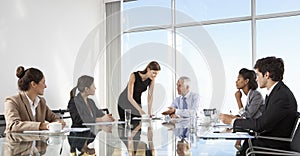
[
  {"x": 193, "y": 120},
  {"x": 127, "y": 130},
  {"x": 127, "y": 116}
]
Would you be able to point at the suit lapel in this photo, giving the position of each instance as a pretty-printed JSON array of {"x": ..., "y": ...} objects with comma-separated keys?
[
  {"x": 80, "y": 104},
  {"x": 27, "y": 105},
  {"x": 267, "y": 99}
]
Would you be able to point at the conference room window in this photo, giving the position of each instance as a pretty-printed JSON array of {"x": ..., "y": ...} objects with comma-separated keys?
[
  {"x": 200, "y": 10},
  {"x": 233, "y": 41},
  {"x": 276, "y": 6},
  {"x": 239, "y": 40},
  {"x": 280, "y": 37}
]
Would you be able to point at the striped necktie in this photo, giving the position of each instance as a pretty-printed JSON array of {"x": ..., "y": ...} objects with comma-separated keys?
[{"x": 184, "y": 104}]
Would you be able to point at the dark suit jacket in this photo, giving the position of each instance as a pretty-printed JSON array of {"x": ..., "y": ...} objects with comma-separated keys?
[
  {"x": 80, "y": 113},
  {"x": 278, "y": 119},
  {"x": 18, "y": 114}
]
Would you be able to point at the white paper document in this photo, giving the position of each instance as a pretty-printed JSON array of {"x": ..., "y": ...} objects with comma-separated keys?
[
  {"x": 104, "y": 123},
  {"x": 62, "y": 131},
  {"x": 44, "y": 132},
  {"x": 76, "y": 129},
  {"x": 225, "y": 135},
  {"x": 223, "y": 125},
  {"x": 140, "y": 118}
]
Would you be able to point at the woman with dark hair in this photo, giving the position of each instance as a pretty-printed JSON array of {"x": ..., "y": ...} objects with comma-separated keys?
[
  {"x": 83, "y": 109},
  {"x": 27, "y": 111},
  {"x": 246, "y": 82},
  {"x": 138, "y": 82}
]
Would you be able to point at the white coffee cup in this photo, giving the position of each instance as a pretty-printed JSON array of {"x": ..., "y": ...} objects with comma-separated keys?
[
  {"x": 54, "y": 140},
  {"x": 54, "y": 127}
]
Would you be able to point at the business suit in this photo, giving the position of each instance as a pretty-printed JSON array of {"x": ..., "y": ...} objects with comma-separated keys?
[
  {"x": 18, "y": 114},
  {"x": 80, "y": 113},
  {"x": 277, "y": 120}
]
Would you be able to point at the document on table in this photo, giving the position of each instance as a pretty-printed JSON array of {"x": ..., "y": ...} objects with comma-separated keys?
[
  {"x": 140, "y": 118},
  {"x": 44, "y": 132},
  {"x": 76, "y": 129},
  {"x": 223, "y": 125},
  {"x": 104, "y": 123},
  {"x": 225, "y": 135},
  {"x": 62, "y": 131}
]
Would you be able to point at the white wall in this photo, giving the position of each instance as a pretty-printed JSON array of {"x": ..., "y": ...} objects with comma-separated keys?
[{"x": 47, "y": 34}]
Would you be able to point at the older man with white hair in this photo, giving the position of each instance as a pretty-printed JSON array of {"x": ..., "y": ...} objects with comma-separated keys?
[{"x": 186, "y": 101}]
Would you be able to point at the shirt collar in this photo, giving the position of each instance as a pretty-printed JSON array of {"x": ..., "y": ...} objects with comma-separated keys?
[
  {"x": 271, "y": 88},
  {"x": 187, "y": 95},
  {"x": 36, "y": 101}
]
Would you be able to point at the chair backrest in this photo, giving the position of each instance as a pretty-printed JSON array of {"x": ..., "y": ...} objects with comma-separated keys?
[
  {"x": 61, "y": 113},
  {"x": 295, "y": 126},
  {"x": 296, "y": 136},
  {"x": 105, "y": 110},
  {"x": 2, "y": 125}
]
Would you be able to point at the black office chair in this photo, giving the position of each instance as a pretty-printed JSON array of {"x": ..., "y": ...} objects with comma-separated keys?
[
  {"x": 2, "y": 125},
  {"x": 104, "y": 110},
  {"x": 62, "y": 113},
  {"x": 294, "y": 144}
]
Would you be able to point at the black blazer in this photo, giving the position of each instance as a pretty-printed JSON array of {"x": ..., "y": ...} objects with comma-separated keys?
[
  {"x": 277, "y": 120},
  {"x": 80, "y": 113}
]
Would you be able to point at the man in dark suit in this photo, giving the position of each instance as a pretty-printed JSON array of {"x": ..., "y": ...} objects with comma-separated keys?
[{"x": 280, "y": 113}]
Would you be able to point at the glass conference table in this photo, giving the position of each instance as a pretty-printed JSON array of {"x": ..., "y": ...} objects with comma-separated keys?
[{"x": 142, "y": 137}]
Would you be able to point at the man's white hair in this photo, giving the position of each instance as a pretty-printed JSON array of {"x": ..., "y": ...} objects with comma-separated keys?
[{"x": 186, "y": 80}]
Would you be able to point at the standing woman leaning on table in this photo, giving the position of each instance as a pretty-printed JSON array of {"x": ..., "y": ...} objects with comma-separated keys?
[
  {"x": 27, "y": 111},
  {"x": 83, "y": 109},
  {"x": 138, "y": 82}
]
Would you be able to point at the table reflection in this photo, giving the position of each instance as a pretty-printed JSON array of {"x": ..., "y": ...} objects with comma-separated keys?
[
  {"x": 82, "y": 144},
  {"x": 20, "y": 144},
  {"x": 131, "y": 137},
  {"x": 143, "y": 138}
]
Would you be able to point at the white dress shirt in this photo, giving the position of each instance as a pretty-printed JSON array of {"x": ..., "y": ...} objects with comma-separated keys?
[
  {"x": 193, "y": 103},
  {"x": 33, "y": 105}
]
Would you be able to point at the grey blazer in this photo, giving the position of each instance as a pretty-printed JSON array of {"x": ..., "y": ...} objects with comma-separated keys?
[
  {"x": 254, "y": 105},
  {"x": 80, "y": 113}
]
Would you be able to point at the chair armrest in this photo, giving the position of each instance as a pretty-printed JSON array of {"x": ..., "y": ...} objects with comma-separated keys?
[
  {"x": 269, "y": 151},
  {"x": 274, "y": 138}
]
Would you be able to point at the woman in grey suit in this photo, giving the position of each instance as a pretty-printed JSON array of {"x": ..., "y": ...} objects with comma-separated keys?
[
  {"x": 83, "y": 109},
  {"x": 246, "y": 81}
]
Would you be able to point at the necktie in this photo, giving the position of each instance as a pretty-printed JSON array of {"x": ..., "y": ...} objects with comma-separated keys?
[
  {"x": 266, "y": 100},
  {"x": 184, "y": 104},
  {"x": 184, "y": 132}
]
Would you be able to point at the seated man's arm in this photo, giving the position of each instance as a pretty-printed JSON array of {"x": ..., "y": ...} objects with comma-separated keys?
[{"x": 172, "y": 109}]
